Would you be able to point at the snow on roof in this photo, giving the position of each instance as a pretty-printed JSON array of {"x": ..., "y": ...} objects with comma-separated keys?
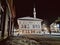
[{"x": 29, "y": 18}]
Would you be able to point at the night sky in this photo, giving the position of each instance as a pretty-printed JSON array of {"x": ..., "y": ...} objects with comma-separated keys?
[{"x": 47, "y": 10}]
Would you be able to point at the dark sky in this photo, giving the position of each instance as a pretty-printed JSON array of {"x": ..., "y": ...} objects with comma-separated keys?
[{"x": 46, "y": 9}]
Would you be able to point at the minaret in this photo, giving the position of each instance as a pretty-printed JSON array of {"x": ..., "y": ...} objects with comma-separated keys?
[{"x": 34, "y": 11}]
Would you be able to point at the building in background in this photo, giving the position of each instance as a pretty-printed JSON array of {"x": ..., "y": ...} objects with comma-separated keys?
[
  {"x": 29, "y": 25},
  {"x": 55, "y": 26}
]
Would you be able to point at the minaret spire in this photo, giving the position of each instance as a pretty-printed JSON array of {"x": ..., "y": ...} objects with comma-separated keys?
[{"x": 34, "y": 11}]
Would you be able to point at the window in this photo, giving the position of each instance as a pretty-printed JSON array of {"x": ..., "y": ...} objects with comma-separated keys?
[
  {"x": 33, "y": 26},
  {"x": 27, "y": 26},
  {"x": 36, "y": 26},
  {"x": 24, "y": 26},
  {"x": 58, "y": 27}
]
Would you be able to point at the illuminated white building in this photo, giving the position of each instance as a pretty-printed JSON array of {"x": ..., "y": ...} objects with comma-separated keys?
[{"x": 29, "y": 25}]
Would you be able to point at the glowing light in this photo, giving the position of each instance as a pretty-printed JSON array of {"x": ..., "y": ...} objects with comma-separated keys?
[
  {"x": 55, "y": 26},
  {"x": 45, "y": 28}
]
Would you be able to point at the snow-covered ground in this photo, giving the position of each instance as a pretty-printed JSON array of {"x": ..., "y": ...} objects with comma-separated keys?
[{"x": 55, "y": 33}]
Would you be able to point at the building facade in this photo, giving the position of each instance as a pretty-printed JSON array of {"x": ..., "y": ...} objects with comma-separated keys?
[
  {"x": 55, "y": 26},
  {"x": 29, "y": 25}
]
